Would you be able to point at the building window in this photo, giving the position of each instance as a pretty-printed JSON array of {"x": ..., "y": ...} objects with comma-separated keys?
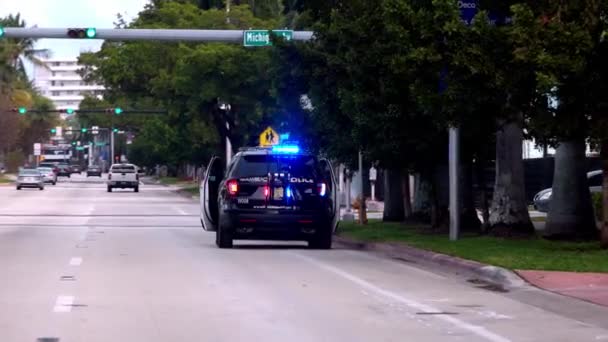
[
  {"x": 52, "y": 83},
  {"x": 56, "y": 64},
  {"x": 61, "y": 84},
  {"x": 53, "y": 74},
  {"x": 55, "y": 93},
  {"x": 70, "y": 103},
  {"x": 69, "y": 92}
]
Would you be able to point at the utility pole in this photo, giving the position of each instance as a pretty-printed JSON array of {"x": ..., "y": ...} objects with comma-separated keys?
[
  {"x": 362, "y": 206},
  {"x": 228, "y": 147},
  {"x": 227, "y": 11},
  {"x": 454, "y": 172}
]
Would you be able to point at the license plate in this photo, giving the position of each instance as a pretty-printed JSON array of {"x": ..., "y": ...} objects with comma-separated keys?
[{"x": 278, "y": 193}]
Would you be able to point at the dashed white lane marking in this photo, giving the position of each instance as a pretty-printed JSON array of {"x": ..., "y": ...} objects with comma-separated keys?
[
  {"x": 75, "y": 261},
  {"x": 475, "y": 329},
  {"x": 63, "y": 304},
  {"x": 181, "y": 211}
]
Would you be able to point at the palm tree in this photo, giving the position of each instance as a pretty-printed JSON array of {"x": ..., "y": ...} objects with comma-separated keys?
[{"x": 14, "y": 52}]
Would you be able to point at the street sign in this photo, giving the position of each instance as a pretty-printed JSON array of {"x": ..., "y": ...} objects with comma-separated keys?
[
  {"x": 468, "y": 10},
  {"x": 37, "y": 149},
  {"x": 101, "y": 144},
  {"x": 95, "y": 129},
  {"x": 373, "y": 174},
  {"x": 269, "y": 137},
  {"x": 262, "y": 37}
]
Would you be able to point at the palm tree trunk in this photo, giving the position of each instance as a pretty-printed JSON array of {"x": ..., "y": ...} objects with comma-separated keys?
[
  {"x": 393, "y": 198},
  {"x": 509, "y": 211},
  {"x": 571, "y": 212}
]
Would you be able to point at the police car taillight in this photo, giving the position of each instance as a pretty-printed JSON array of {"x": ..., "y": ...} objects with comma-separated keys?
[
  {"x": 322, "y": 188},
  {"x": 232, "y": 186}
]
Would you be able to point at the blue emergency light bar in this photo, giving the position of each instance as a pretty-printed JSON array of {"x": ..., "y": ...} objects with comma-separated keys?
[{"x": 287, "y": 149}]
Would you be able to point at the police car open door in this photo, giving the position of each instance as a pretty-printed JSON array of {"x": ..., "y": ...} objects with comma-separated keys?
[
  {"x": 332, "y": 192},
  {"x": 209, "y": 190}
]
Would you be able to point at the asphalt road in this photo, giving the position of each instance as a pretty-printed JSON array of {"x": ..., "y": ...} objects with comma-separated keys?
[{"x": 80, "y": 264}]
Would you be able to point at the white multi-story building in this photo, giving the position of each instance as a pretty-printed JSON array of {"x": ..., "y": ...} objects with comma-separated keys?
[{"x": 60, "y": 82}]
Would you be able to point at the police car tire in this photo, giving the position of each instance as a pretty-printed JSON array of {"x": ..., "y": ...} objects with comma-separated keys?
[
  {"x": 321, "y": 240},
  {"x": 223, "y": 236}
]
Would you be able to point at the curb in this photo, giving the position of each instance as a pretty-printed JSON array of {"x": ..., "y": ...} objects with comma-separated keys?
[
  {"x": 494, "y": 275},
  {"x": 183, "y": 193}
]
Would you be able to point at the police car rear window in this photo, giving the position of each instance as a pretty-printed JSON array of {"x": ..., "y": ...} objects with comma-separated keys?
[{"x": 261, "y": 165}]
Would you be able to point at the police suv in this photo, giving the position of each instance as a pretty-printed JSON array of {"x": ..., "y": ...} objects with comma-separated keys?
[{"x": 275, "y": 193}]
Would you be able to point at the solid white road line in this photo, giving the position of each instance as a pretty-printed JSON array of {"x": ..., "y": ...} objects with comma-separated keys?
[
  {"x": 475, "y": 329},
  {"x": 75, "y": 261},
  {"x": 63, "y": 304}
]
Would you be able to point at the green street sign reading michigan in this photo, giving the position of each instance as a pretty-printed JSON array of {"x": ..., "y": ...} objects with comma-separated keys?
[{"x": 262, "y": 37}]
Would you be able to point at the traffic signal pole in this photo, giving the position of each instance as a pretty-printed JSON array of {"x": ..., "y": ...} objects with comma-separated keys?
[
  {"x": 171, "y": 35},
  {"x": 111, "y": 147}
]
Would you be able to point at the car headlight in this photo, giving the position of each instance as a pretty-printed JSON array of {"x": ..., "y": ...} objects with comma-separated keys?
[{"x": 545, "y": 196}]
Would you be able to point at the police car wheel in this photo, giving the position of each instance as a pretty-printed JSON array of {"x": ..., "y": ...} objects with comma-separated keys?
[
  {"x": 223, "y": 236},
  {"x": 321, "y": 240}
]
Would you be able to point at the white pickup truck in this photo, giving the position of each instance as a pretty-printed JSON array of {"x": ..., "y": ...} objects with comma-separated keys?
[{"x": 123, "y": 176}]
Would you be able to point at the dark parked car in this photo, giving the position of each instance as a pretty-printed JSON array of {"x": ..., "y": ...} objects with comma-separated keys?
[
  {"x": 543, "y": 198},
  {"x": 277, "y": 193},
  {"x": 75, "y": 168},
  {"x": 94, "y": 171},
  {"x": 64, "y": 170}
]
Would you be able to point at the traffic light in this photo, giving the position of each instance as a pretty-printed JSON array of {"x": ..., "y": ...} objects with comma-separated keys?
[
  {"x": 117, "y": 110},
  {"x": 89, "y": 32},
  {"x": 69, "y": 111},
  {"x": 115, "y": 130},
  {"x": 1, "y": 31},
  {"x": 53, "y": 130},
  {"x": 73, "y": 143},
  {"x": 83, "y": 130},
  {"x": 21, "y": 110}
]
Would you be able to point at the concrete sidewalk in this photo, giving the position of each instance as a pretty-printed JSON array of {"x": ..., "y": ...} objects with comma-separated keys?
[{"x": 591, "y": 287}]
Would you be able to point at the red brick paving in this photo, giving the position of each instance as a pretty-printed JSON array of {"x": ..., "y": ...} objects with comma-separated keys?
[{"x": 591, "y": 287}]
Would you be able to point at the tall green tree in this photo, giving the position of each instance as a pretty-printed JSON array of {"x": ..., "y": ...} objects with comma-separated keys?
[{"x": 561, "y": 40}]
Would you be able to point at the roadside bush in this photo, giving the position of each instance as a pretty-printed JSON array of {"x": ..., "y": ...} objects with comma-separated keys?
[
  {"x": 596, "y": 199},
  {"x": 14, "y": 160}
]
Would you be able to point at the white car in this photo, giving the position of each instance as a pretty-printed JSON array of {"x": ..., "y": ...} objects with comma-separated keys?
[
  {"x": 48, "y": 175},
  {"x": 123, "y": 176},
  {"x": 29, "y": 178}
]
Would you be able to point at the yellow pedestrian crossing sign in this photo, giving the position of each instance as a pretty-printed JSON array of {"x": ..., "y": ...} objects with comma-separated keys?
[{"x": 269, "y": 137}]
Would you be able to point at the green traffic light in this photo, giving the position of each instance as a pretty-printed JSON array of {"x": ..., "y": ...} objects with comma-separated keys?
[
  {"x": 69, "y": 111},
  {"x": 1, "y": 31},
  {"x": 53, "y": 130},
  {"x": 73, "y": 143},
  {"x": 118, "y": 110},
  {"x": 84, "y": 130},
  {"x": 91, "y": 32},
  {"x": 22, "y": 110},
  {"x": 115, "y": 130}
]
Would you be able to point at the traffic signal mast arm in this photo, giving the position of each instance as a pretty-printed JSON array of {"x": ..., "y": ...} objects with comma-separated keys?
[
  {"x": 116, "y": 111},
  {"x": 226, "y": 36}
]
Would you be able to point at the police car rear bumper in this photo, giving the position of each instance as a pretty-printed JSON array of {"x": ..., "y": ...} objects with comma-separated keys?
[{"x": 274, "y": 225}]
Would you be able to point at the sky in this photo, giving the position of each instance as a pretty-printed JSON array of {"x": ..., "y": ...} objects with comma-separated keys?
[{"x": 71, "y": 13}]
